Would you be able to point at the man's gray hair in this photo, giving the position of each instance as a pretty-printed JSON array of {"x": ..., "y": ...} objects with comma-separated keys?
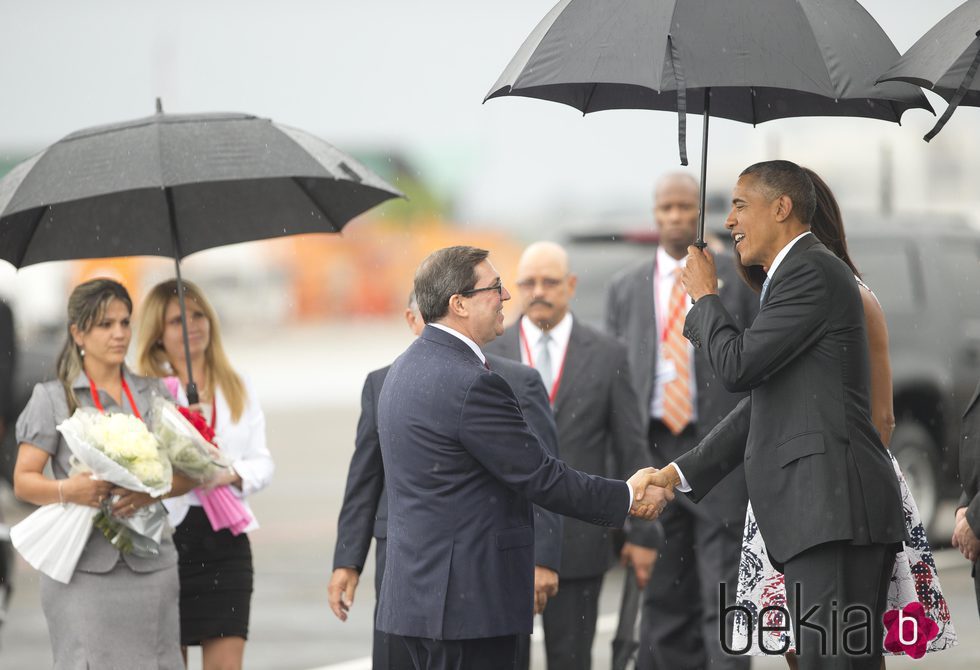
[
  {"x": 443, "y": 274},
  {"x": 778, "y": 178}
]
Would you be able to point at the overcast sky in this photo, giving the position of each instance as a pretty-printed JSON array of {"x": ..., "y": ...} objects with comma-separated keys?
[{"x": 411, "y": 74}]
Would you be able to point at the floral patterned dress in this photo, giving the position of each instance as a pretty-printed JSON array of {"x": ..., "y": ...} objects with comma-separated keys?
[{"x": 761, "y": 585}]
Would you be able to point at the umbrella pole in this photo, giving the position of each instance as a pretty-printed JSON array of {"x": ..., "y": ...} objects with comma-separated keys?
[
  {"x": 192, "y": 396},
  {"x": 699, "y": 242}
]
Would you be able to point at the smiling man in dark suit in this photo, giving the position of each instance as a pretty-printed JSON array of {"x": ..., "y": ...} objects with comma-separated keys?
[
  {"x": 599, "y": 424},
  {"x": 819, "y": 479},
  {"x": 364, "y": 513},
  {"x": 461, "y": 471},
  {"x": 681, "y": 400}
]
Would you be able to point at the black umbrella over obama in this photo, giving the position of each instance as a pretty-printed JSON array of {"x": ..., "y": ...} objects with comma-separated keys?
[
  {"x": 746, "y": 60},
  {"x": 174, "y": 184}
]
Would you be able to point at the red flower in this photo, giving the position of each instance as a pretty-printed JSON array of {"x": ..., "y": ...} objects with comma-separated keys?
[
  {"x": 198, "y": 422},
  {"x": 909, "y": 630}
]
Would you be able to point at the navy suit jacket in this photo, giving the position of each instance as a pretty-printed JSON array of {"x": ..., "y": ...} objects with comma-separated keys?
[
  {"x": 598, "y": 432},
  {"x": 462, "y": 469},
  {"x": 364, "y": 513}
]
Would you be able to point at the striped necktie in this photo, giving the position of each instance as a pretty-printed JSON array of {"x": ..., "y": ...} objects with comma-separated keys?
[{"x": 678, "y": 410}]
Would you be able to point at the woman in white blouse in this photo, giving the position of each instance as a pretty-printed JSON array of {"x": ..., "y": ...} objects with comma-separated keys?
[{"x": 215, "y": 566}]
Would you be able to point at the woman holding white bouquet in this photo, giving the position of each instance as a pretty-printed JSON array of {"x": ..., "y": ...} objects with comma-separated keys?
[
  {"x": 119, "y": 609},
  {"x": 215, "y": 556}
]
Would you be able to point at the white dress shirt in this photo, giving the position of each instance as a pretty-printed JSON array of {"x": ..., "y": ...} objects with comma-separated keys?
[
  {"x": 243, "y": 442},
  {"x": 667, "y": 270},
  {"x": 557, "y": 347},
  {"x": 470, "y": 343},
  {"x": 685, "y": 486}
]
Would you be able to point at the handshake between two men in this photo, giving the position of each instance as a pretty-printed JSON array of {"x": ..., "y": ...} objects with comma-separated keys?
[{"x": 652, "y": 490}]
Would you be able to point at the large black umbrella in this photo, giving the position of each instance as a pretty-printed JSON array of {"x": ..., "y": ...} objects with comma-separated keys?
[
  {"x": 173, "y": 184},
  {"x": 745, "y": 60},
  {"x": 945, "y": 60}
]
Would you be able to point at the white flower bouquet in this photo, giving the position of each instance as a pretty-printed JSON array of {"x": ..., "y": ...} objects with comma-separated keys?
[
  {"x": 113, "y": 447},
  {"x": 189, "y": 451}
]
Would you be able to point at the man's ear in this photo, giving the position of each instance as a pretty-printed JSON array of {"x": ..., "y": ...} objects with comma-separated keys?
[
  {"x": 456, "y": 306},
  {"x": 784, "y": 207}
]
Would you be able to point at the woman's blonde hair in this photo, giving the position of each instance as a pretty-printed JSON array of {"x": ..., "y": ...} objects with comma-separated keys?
[
  {"x": 152, "y": 358},
  {"x": 86, "y": 307}
]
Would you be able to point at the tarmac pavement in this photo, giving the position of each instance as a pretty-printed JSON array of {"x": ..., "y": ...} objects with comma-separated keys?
[{"x": 310, "y": 380}]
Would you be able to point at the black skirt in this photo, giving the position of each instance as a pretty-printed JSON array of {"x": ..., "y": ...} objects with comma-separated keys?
[{"x": 215, "y": 580}]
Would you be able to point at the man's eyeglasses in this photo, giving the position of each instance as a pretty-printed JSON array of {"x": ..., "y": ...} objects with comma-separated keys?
[
  {"x": 546, "y": 282},
  {"x": 498, "y": 287}
]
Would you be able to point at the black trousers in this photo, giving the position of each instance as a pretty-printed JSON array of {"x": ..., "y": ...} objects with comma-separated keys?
[
  {"x": 827, "y": 581},
  {"x": 569, "y": 624},
  {"x": 487, "y": 653},
  {"x": 680, "y": 628},
  {"x": 976, "y": 584},
  {"x": 389, "y": 651}
]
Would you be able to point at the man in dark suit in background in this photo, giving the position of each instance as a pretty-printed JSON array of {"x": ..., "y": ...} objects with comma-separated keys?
[
  {"x": 595, "y": 407},
  {"x": 679, "y": 628},
  {"x": 820, "y": 481},
  {"x": 364, "y": 512},
  {"x": 966, "y": 535},
  {"x": 461, "y": 471}
]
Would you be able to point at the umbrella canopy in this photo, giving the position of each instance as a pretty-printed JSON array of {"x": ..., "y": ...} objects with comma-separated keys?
[
  {"x": 745, "y": 60},
  {"x": 174, "y": 184},
  {"x": 945, "y": 60}
]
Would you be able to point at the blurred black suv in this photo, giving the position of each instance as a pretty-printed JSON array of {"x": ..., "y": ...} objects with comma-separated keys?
[{"x": 926, "y": 273}]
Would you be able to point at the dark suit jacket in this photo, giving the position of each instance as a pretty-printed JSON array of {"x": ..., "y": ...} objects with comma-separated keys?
[
  {"x": 815, "y": 467},
  {"x": 461, "y": 469},
  {"x": 631, "y": 317},
  {"x": 364, "y": 512},
  {"x": 595, "y": 410},
  {"x": 970, "y": 462}
]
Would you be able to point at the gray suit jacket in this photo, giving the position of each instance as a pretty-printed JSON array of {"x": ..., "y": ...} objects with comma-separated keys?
[
  {"x": 815, "y": 467},
  {"x": 631, "y": 317},
  {"x": 364, "y": 512},
  {"x": 595, "y": 410},
  {"x": 44, "y": 411}
]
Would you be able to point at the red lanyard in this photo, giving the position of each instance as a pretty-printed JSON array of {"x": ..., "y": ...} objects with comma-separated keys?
[
  {"x": 125, "y": 388},
  {"x": 553, "y": 393},
  {"x": 673, "y": 316},
  {"x": 214, "y": 411}
]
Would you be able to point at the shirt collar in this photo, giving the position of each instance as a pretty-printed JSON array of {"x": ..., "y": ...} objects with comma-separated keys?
[
  {"x": 559, "y": 334},
  {"x": 667, "y": 264},
  {"x": 470, "y": 343},
  {"x": 82, "y": 381},
  {"x": 782, "y": 253}
]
